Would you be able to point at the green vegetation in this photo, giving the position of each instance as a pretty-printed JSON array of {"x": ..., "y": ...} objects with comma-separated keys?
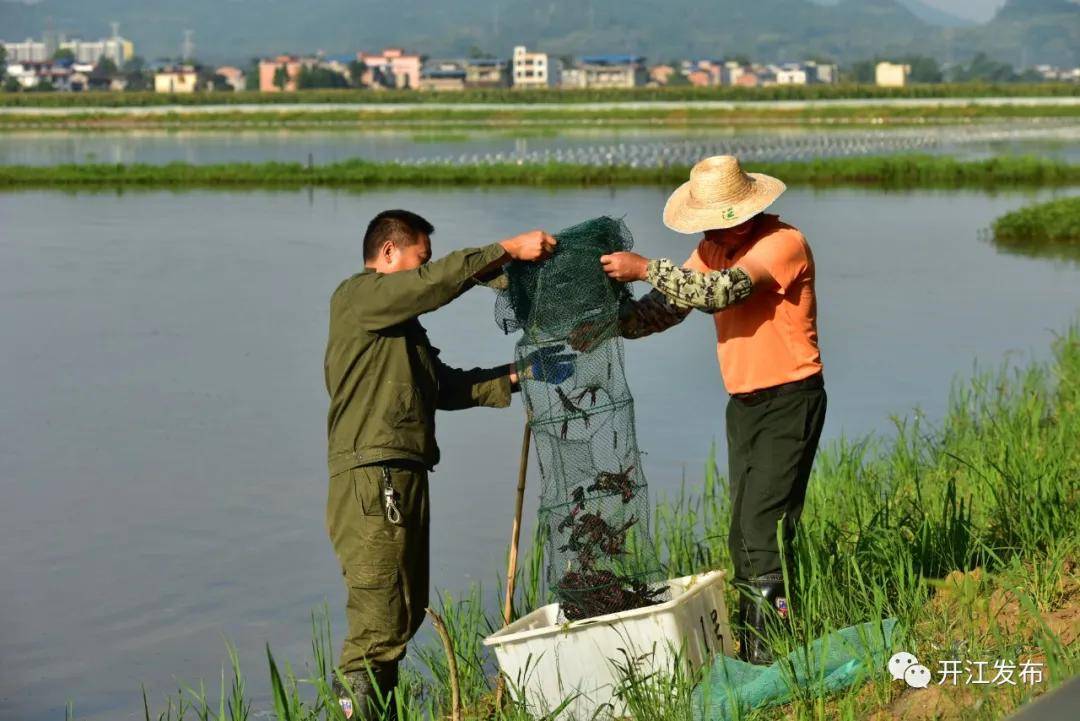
[
  {"x": 508, "y": 95},
  {"x": 1052, "y": 226},
  {"x": 968, "y": 533},
  {"x": 546, "y": 116},
  {"x": 905, "y": 171}
]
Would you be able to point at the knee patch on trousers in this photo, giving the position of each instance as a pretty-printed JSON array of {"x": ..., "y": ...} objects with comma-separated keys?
[{"x": 377, "y": 613}]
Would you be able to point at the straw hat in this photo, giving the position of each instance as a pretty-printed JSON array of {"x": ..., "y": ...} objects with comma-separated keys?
[{"x": 719, "y": 195}]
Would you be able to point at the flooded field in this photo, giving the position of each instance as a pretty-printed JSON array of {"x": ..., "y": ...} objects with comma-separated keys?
[
  {"x": 162, "y": 420},
  {"x": 643, "y": 147}
]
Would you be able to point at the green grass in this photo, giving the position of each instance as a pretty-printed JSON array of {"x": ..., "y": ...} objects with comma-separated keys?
[
  {"x": 546, "y": 116},
  {"x": 967, "y": 532},
  {"x": 1052, "y": 223},
  {"x": 1049, "y": 230},
  {"x": 507, "y": 95},
  {"x": 905, "y": 171}
]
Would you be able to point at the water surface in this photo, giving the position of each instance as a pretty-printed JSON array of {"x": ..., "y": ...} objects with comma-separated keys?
[
  {"x": 1046, "y": 137},
  {"x": 162, "y": 411}
]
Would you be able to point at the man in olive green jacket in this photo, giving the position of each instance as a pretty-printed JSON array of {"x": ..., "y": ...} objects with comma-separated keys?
[{"x": 385, "y": 381}]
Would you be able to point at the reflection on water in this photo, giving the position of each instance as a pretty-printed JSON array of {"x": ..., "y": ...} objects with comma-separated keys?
[
  {"x": 162, "y": 415},
  {"x": 1069, "y": 253},
  {"x": 1051, "y": 138}
]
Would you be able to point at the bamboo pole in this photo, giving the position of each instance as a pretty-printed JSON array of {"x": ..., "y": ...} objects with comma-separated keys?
[{"x": 515, "y": 539}]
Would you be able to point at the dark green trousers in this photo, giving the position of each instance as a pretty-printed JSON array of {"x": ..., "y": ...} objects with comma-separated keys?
[
  {"x": 385, "y": 565},
  {"x": 771, "y": 446}
]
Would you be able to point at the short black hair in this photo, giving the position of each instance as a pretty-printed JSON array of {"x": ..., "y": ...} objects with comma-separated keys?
[{"x": 401, "y": 227}]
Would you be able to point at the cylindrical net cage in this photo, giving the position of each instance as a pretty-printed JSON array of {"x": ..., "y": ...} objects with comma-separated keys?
[{"x": 594, "y": 505}]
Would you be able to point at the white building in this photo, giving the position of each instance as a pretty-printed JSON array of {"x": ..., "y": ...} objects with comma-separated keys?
[
  {"x": 606, "y": 71},
  {"x": 28, "y": 51},
  {"x": 891, "y": 75},
  {"x": 789, "y": 74},
  {"x": 825, "y": 73},
  {"x": 24, "y": 75},
  {"x": 533, "y": 70},
  {"x": 176, "y": 80},
  {"x": 115, "y": 48},
  {"x": 33, "y": 75},
  {"x": 1050, "y": 72},
  {"x": 732, "y": 72}
]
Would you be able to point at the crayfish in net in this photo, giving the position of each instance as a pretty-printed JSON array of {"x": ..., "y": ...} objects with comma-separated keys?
[
  {"x": 590, "y": 593},
  {"x": 620, "y": 483},
  {"x": 572, "y": 411},
  {"x": 591, "y": 391},
  {"x": 591, "y": 531}
]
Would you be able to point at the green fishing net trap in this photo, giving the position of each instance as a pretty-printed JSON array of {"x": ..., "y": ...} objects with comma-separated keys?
[{"x": 594, "y": 505}]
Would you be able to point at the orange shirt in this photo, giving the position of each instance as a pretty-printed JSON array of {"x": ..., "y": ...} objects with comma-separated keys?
[{"x": 771, "y": 337}]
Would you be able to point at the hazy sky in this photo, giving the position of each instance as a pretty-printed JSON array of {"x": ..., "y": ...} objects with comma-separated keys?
[
  {"x": 980, "y": 10},
  {"x": 974, "y": 9}
]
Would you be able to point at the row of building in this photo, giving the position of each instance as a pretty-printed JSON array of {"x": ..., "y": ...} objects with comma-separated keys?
[
  {"x": 1052, "y": 73},
  {"x": 87, "y": 52},
  {"x": 396, "y": 68},
  {"x": 32, "y": 63}
]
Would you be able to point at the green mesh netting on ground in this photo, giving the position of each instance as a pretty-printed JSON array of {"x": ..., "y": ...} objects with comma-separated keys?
[
  {"x": 836, "y": 661},
  {"x": 594, "y": 506}
]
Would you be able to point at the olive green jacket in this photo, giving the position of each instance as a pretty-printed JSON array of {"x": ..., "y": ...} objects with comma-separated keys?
[{"x": 384, "y": 377}]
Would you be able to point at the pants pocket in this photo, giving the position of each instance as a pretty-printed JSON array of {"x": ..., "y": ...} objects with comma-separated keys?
[
  {"x": 376, "y": 614},
  {"x": 367, "y": 483}
]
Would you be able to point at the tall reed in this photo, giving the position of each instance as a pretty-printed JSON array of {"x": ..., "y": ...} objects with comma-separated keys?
[{"x": 966, "y": 532}]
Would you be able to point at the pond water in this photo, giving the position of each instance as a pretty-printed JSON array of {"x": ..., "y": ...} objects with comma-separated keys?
[
  {"x": 162, "y": 412},
  {"x": 1046, "y": 137}
]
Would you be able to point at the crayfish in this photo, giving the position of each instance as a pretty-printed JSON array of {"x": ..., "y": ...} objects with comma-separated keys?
[
  {"x": 572, "y": 412},
  {"x": 592, "y": 593},
  {"x": 578, "y": 497},
  {"x": 591, "y": 391},
  {"x": 615, "y": 483},
  {"x": 591, "y": 531}
]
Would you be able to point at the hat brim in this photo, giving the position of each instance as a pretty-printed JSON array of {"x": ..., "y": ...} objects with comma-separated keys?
[{"x": 682, "y": 216}]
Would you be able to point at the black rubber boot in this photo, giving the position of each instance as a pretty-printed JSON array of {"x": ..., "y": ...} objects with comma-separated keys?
[
  {"x": 367, "y": 706},
  {"x": 762, "y": 604}
]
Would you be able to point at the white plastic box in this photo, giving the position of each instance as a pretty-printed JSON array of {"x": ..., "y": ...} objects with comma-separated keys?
[{"x": 548, "y": 662}]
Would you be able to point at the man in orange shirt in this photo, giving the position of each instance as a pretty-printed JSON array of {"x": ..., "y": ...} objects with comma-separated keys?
[{"x": 755, "y": 275}]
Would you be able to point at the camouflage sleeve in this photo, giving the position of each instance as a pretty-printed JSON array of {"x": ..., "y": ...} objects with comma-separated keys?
[
  {"x": 651, "y": 313},
  {"x": 709, "y": 292}
]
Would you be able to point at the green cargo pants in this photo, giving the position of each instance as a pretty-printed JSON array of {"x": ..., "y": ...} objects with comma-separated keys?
[
  {"x": 772, "y": 440},
  {"x": 385, "y": 564}
]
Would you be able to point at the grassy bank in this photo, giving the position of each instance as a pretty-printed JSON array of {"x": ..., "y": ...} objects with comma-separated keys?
[
  {"x": 967, "y": 532},
  {"x": 561, "y": 115},
  {"x": 507, "y": 95},
  {"x": 909, "y": 171},
  {"x": 1053, "y": 223}
]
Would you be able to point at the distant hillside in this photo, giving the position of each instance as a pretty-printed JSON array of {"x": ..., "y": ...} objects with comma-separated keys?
[
  {"x": 1025, "y": 30},
  {"x": 934, "y": 16}
]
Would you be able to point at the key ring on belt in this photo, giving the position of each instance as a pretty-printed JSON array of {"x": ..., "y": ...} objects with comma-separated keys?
[{"x": 392, "y": 513}]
